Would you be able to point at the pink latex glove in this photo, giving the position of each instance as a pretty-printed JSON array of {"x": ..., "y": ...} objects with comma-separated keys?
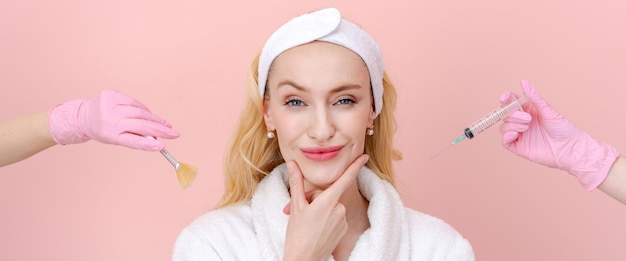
[
  {"x": 110, "y": 117},
  {"x": 542, "y": 135}
]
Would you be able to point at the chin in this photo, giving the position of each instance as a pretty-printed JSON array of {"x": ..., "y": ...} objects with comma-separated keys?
[{"x": 322, "y": 174}]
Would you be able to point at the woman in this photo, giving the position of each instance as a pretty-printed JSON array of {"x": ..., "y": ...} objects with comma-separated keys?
[{"x": 317, "y": 131}]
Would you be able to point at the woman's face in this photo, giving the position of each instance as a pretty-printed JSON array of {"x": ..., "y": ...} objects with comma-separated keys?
[{"x": 320, "y": 105}]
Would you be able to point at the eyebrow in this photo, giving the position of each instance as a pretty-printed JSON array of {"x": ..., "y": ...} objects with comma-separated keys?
[{"x": 304, "y": 89}]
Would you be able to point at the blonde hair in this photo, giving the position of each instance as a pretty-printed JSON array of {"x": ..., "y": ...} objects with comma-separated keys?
[{"x": 252, "y": 156}]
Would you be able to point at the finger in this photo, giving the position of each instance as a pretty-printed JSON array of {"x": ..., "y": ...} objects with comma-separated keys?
[
  {"x": 116, "y": 99},
  {"x": 516, "y": 127},
  {"x": 506, "y": 97},
  {"x": 122, "y": 99},
  {"x": 296, "y": 187},
  {"x": 533, "y": 96},
  {"x": 310, "y": 196},
  {"x": 129, "y": 111},
  {"x": 334, "y": 192},
  {"x": 129, "y": 106},
  {"x": 518, "y": 117},
  {"x": 340, "y": 210},
  {"x": 508, "y": 140},
  {"x": 135, "y": 141},
  {"x": 146, "y": 128}
]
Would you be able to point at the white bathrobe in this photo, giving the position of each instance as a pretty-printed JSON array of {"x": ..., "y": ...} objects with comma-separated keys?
[{"x": 255, "y": 230}]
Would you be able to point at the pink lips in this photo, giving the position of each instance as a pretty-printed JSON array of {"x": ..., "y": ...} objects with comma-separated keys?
[{"x": 321, "y": 153}]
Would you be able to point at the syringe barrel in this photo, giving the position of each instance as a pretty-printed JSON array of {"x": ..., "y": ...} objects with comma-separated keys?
[{"x": 497, "y": 115}]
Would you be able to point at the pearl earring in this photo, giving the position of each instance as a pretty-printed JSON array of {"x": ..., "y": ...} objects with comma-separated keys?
[
  {"x": 370, "y": 131},
  {"x": 270, "y": 134}
]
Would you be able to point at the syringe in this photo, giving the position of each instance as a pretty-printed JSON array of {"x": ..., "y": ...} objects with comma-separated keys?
[{"x": 489, "y": 120}]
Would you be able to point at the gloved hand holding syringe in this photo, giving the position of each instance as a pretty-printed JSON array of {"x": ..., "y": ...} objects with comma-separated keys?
[
  {"x": 489, "y": 120},
  {"x": 542, "y": 135}
]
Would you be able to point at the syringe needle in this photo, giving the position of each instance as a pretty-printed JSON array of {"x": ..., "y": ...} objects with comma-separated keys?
[
  {"x": 457, "y": 140},
  {"x": 442, "y": 150}
]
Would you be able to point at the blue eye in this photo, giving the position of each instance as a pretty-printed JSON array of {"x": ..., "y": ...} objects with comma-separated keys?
[
  {"x": 293, "y": 102},
  {"x": 345, "y": 101}
]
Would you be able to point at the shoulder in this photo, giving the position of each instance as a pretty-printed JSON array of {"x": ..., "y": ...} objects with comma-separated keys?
[
  {"x": 424, "y": 223},
  {"x": 220, "y": 232},
  {"x": 235, "y": 219},
  {"x": 433, "y": 233}
]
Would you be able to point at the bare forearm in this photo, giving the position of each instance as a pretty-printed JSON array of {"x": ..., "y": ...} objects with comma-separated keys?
[
  {"x": 23, "y": 137},
  {"x": 615, "y": 183}
]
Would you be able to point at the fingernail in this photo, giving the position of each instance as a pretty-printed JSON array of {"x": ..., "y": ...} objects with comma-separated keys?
[
  {"x": 365, "y": 159},
  {"x": 157, "y": 147},
  {"x": 290, "y": 166},
  {"x": 504, "y": 97}
]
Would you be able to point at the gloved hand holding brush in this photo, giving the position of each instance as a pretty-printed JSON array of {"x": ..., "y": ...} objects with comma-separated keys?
[{"x": 110, "y": 117}]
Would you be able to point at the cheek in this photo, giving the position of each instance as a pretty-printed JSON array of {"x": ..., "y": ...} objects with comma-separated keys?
[
  {"x": 354, "y": 125},
  {"x": 289, "y": 124},
  {"x": 288, "y": 129},
  {"x": 355, "y": 131}
]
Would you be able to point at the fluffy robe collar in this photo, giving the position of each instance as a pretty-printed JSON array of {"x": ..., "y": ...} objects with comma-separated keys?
[{"x": 386, "y": 239}]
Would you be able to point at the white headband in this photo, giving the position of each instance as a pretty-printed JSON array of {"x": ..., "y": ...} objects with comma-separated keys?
[{"x": 328, "y": 26}]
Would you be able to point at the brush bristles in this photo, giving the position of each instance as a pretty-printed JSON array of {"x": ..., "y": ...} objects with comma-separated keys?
[{"x": 186, "y": 174}]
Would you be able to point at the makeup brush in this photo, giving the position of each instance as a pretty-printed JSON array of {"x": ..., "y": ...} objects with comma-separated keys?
[{"x": 184, "y": 172}]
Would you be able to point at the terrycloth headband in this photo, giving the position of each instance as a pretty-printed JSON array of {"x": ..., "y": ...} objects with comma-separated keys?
[{"x": 328, "y": 26}]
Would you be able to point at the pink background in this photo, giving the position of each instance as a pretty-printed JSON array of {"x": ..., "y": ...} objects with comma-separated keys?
[{"x": 187, "y": 61}]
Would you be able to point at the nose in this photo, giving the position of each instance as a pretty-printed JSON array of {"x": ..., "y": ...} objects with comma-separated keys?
[{"x": 322, "y": 126}]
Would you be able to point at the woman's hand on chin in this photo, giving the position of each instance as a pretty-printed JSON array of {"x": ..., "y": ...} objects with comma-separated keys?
[{"x": 317, "y": 220}]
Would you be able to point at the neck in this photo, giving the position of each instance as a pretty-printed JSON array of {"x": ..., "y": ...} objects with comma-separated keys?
[
  {"x": 356, "y": 209},
  {"x": 356, "y": 217}
]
